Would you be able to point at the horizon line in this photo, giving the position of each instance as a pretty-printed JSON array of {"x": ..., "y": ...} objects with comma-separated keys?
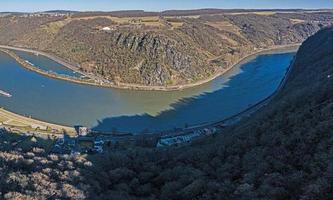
[{"x": 160, "y": 11}]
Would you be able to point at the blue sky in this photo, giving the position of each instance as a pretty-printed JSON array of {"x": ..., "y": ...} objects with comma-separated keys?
[{"x": 154, "y": 5}]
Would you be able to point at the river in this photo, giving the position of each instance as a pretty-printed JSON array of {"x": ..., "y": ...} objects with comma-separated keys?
[{"x": 106, "y": 109}]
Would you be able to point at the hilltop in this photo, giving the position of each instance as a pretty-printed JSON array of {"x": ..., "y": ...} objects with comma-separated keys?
[
  {"x": 285, "y": 151},
  {"x": 170, "y": 48}
]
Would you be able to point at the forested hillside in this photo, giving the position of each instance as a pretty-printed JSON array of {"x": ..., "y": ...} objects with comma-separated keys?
[
  {"x": 158, "y": 49},
  {"x": 285, "y": 151}
]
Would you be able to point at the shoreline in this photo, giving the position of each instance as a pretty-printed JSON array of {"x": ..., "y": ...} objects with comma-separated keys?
[
  {"x": 18, "y": 122},
  {"x": 96, "y": 81},
  {"x": 234, "y": 119},
  {"x": 30, "y": 124}
]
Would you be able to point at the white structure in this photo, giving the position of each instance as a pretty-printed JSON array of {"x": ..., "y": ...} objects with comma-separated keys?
[
  {"x": 83, "y": 131},
  {"x": 185, "y": 138},
  {"x": 174, "y": 140},
  {"x": 106, "y": 28}
]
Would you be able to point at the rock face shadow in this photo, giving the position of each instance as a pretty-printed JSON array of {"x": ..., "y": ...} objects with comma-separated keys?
[
  {"x": 204, "y": 108},
  {"x": 234, "y": 97}
]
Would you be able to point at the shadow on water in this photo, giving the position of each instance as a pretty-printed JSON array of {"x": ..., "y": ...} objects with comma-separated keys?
[
  {"x": 181, "y": 112},
  {"x": 146, "y": 123},
  {"x": 135, "y": 112},
  {"x": 207, "y": 107}
]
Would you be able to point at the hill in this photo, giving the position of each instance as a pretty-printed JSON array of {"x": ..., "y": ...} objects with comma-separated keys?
[
  {"x": 285, "y": 151},
  {"x": 170, "y": 48}
]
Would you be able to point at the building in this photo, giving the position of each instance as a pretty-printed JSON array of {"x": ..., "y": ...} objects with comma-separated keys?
[
  {"x": 83, "y": 131},
  {"x": 185, "y": 138},
  {"x": 177, "y": 140}
]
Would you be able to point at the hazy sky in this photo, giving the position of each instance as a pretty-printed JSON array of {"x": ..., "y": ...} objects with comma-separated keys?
[{"x": 155, "y": 5}]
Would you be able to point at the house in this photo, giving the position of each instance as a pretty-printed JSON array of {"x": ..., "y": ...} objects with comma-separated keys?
[
  {"x": 83, "y": 131},
  {"x": 179, "y": 139}
]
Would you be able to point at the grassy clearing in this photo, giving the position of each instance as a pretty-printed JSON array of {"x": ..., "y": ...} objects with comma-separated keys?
[
  {"x": 54, "y": 27},
  {"x": 266, "y": 13},
  {"x": 297, "y": 21},
  {"x": 223, "y": 25},
  {"x": 188, "y": 17},
  {"x": 147, "y": 21},
  {"x": 3, "y": 119},
  {"x": 26, "y": 123},
  {"x": 176, "y": 24},
  {"x": 226, "y": 26}
]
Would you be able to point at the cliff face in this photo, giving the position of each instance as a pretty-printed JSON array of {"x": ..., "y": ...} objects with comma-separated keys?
[
  {"x": 158, "y": 51},
  {"x": 144, "y": 57}
]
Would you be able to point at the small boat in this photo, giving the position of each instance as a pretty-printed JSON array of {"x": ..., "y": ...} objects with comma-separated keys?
[{"x": 3, "y": 93}]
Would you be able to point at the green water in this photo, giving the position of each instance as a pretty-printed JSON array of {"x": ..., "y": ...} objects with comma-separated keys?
[{"x": 134, "y": 111}]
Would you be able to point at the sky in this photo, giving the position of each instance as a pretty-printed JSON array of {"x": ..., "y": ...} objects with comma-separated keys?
[{"x": 154, "y": 5}]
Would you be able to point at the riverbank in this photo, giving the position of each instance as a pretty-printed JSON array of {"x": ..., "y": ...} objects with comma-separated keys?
[
  {"x": 99, "y": 82},
  {"x": 269, "y": 66},
  {"x": 33, "y": 68},
  {"x": 19, "y": 123}
]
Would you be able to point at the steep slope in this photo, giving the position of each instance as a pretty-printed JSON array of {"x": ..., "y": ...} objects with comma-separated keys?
[
  {"x": 285, "y": 151},
  {"x": 157, "y": 50}
]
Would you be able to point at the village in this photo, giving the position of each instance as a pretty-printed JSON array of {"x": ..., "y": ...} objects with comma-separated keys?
[{"x": 87, "y": 141}]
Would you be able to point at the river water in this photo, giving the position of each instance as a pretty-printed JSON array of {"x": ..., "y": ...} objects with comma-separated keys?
[{"x": 106, "y": 109}]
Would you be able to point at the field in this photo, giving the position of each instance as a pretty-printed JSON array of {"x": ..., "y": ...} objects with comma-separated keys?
[
  {"x": 26, "y": 124},
  {"x": 153, "y": 21},
  {"x": 257, "y": 13}
]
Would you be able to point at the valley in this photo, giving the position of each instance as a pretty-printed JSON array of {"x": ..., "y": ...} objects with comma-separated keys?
[
  {"x": 282, "y": 151},
  {"x": 176, "y": 104}
]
